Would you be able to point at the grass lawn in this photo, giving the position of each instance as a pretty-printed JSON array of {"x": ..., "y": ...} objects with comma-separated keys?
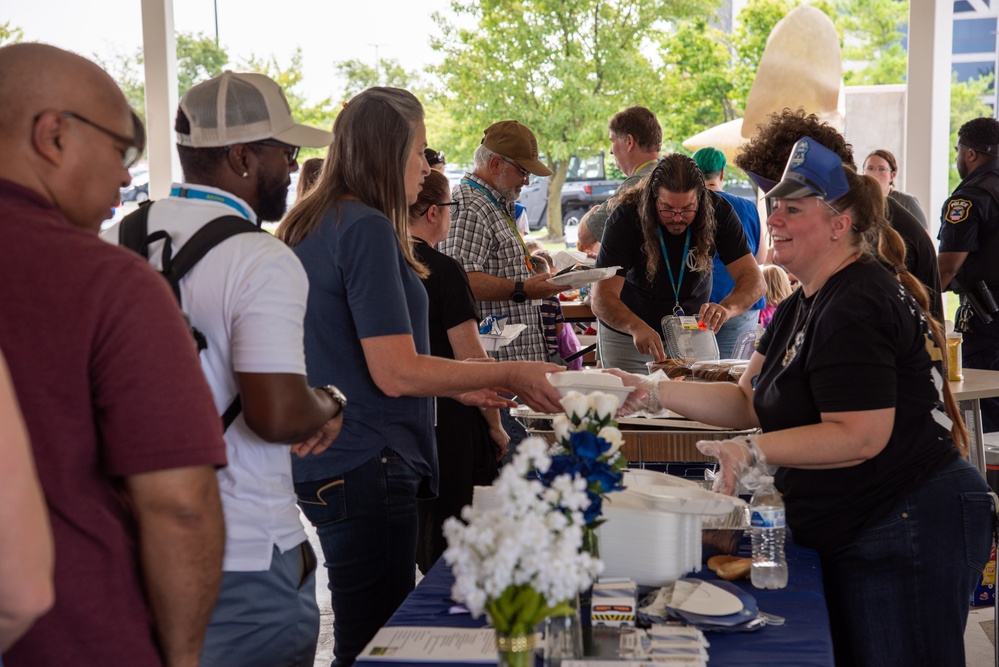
[{"x": 547, "y": 245}]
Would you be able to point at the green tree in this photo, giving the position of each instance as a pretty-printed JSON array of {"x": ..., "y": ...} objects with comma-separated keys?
[
  {"x": 562, "y": 67},
  {"x": 359, "y": 75},
  {"x": 694, "y": 88},
  {"x": 872, "y": 31},
  {"x": 199, "y": 58},
  {"x": 756, "y": 20},
  {"x": 10, "y": 34},
  {"x": 965, "y": 103},
  {"x": 320, "y": 114}
]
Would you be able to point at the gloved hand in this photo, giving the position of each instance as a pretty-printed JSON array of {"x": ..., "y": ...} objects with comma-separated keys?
[
  {"x": 740, "y": 463},
  {"x": 645, "y": 398}
]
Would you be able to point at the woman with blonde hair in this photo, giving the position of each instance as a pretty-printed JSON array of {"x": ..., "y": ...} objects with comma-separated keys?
[
  {"x": 849, "y": 387},
  {"x": 366, "y": 331},
  {"x": 778, "y": 289}
]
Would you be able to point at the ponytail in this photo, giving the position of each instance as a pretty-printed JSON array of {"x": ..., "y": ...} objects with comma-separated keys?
[{"x": 867, "y": 202}]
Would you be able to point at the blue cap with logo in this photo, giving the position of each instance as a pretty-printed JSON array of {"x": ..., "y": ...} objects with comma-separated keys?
[{"x": 812, "y": 171}]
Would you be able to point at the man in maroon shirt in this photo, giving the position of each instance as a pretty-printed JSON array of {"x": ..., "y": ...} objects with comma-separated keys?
[{"x": 122, "y": 424}]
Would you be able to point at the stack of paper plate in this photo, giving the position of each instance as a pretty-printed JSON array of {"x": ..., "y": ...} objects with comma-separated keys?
[{"x": 652, "y": 532}]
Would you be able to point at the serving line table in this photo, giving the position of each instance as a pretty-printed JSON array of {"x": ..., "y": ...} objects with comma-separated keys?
[{"x": 803, "y": 641}]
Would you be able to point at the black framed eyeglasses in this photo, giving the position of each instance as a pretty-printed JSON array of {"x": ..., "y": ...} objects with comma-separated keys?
[
  {"x": 133, "y": 147},
  {"x": 686, "y": 214},
  {"x": 455, "y": 206},
  {"x": 291, "y": 152}
]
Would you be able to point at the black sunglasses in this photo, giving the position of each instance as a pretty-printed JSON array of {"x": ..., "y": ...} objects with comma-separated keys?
[
  {"x": 133, "y": 147},
  {"x": 290, "y": 151}
]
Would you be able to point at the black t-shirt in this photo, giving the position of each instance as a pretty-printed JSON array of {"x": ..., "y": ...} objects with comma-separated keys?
[
  {"x": 864, "y": 347},
  {"x": 622, "y": 246},
  {"x": 920, "y": 255},
  {"x": 451, "y": 300}
]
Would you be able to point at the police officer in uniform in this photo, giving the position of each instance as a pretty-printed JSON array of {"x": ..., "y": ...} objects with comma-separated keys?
[{"x": 969, "y": 248}]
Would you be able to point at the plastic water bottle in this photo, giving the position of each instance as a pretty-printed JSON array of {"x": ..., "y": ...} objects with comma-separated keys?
[{"x": 769, "y": 565}]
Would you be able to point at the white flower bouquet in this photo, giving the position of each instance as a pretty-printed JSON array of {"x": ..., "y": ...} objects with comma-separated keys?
[{"x": 521, "y": 561}]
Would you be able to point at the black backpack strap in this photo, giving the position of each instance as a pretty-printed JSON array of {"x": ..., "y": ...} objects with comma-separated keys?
[
  {"x": 230, "y": 414},
  {"x": 210, "y": 235},
  {"x": 176, "y": 267},
  {"x": 133, "y": 228}
]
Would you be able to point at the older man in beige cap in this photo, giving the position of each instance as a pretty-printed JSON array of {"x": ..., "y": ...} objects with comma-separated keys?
[{"x": 485, "y": 241}]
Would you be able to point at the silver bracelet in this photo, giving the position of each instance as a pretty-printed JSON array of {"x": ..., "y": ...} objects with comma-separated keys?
[{"x": 652, "y": 400}]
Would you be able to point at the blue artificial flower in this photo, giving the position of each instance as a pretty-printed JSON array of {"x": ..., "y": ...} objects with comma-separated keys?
[
  {"x": 587, "y": 445},
  {"x": 605, "y": 475},
  {"x": 593, "y": 512}
]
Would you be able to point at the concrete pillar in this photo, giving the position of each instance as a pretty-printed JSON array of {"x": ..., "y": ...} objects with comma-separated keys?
[
  {"x": 927, "y": 118},
  {"x": 160, "y": 58}
]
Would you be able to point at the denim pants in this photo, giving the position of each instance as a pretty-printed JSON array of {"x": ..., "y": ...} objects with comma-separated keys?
[
  {"x": 266, "y": 619},
  {"x": 366, "y": 519},
  {"x": 732, "y": 329},
  {"x": 899, "y": 594}
]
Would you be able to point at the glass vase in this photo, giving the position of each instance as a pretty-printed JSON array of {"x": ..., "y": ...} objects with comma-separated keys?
[
  {"x": 563, "y": 637},
  {"x": 591, "y": 545},
  {"x": 515, "y": 650}
]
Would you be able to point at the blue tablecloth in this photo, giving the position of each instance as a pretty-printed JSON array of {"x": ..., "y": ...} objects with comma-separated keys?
[{"x": 803, "y": 641}]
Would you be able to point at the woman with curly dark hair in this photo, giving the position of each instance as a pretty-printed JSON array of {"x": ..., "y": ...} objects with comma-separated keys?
[{"x": 663, "y": 235}]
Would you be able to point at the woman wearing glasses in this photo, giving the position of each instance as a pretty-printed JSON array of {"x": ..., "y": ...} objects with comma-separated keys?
[
  {"x": 881, "y": 165},
  {"x": 663, "y": 234},
  {"x": 470, "y": 440},
  {"x": 366, "y": 331}
]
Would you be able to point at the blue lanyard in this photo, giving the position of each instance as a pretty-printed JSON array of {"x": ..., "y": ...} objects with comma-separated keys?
[
  {"x": 187, "y": 193},
  {"x": 675, "y": 284},
  {"x": 513, "y": 225}
]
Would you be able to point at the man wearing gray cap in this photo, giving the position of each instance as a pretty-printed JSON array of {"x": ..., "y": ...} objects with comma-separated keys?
[{"x": 238, "y": 144}]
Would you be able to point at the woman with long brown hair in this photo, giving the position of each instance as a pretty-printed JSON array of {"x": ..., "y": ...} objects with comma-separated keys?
[
  {"x": 366, "y": 332},
  {"x": 849, "y": 387}
]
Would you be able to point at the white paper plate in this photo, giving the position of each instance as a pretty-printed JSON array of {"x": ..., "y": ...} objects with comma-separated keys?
[
  {"x": 493, "y": 342},
  {"x": 580, "y": 278},
  {"x": 705, "y": 598},
  {"x": 565, "y": 258}
]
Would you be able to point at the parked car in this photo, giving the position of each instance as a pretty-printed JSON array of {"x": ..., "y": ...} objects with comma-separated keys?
[
  {"x": 586, "y": 185},
  {"x": 138, "y": 189}
]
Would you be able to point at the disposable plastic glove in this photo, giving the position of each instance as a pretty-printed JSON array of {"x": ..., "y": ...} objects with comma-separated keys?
[{"x": 739, "y": 464}]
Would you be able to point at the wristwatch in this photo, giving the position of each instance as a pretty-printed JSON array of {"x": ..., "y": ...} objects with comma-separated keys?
[
  {"x": 336, "y": 395},
  {"x": 519, "y": 295}
]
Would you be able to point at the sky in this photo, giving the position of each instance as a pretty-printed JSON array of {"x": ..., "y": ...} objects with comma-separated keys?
[{"x": 327, "y": 30}]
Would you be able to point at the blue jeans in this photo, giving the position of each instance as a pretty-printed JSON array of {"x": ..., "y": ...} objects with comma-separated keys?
[
  {"x": 899, "y": 594},
  {"x": 732, "y": 329},
  {"x": 367, "y": 524},
  {"x": 267, "y": 619}
]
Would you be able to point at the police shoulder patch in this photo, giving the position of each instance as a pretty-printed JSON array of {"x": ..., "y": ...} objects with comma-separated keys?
[{"x": 957, "y": 211}]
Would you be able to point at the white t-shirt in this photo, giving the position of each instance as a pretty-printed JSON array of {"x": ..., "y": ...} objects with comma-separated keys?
[{"x": 248, "y": 297}]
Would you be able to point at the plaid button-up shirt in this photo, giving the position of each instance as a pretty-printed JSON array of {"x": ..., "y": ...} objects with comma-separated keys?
[{"x": 483, "y": 239}]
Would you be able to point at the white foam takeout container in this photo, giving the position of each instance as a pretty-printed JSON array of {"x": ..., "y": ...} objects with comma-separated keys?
[{"x": 586, "y": 382}]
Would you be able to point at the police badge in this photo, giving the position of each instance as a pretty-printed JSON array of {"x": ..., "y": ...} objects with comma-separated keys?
[{"x": 957, "y": 211}]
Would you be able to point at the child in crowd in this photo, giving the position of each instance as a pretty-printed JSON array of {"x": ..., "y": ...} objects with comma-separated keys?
[
  {"x": 560, "y": 339},
  {"x": 778, "y": 289}
]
